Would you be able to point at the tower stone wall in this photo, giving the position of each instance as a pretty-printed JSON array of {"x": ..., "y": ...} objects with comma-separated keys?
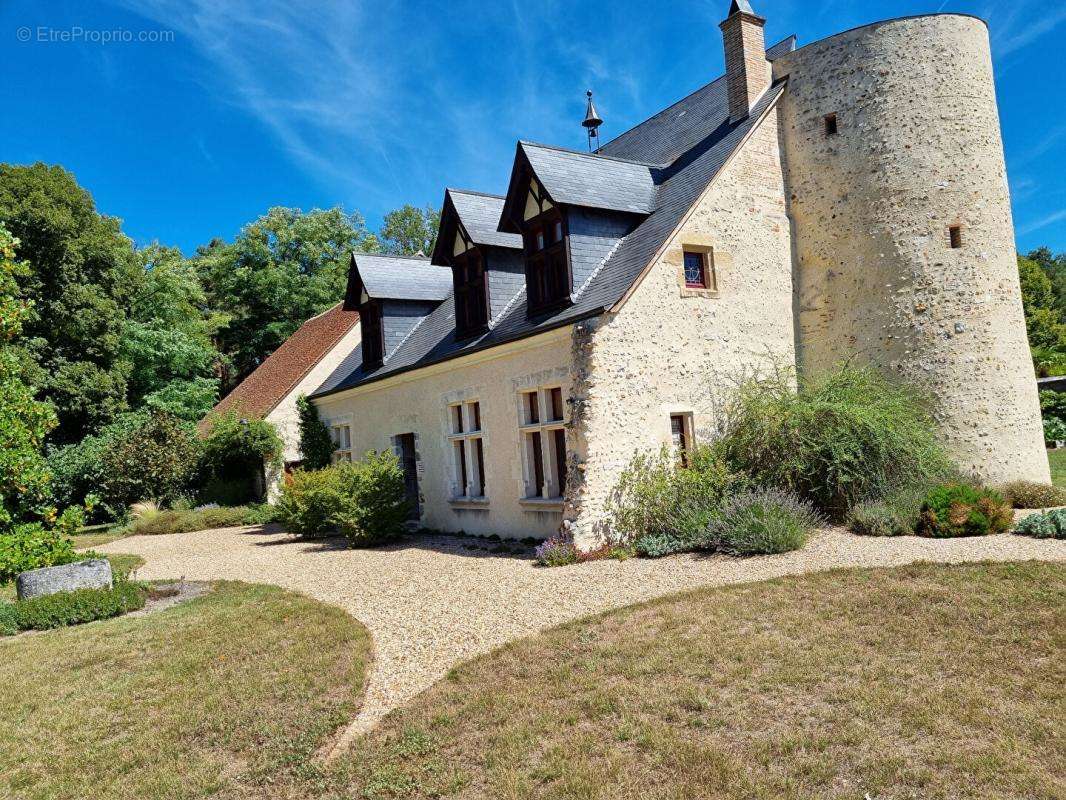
[{"x": 890, "y": 136}]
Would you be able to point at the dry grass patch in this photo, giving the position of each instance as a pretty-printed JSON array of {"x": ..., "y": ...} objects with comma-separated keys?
[
  {"x": 918, "y": 682},
  {"x": 223, "y": 696}
]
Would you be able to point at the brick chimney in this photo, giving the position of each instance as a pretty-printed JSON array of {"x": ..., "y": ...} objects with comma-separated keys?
[{"x": 746, "y": 68}]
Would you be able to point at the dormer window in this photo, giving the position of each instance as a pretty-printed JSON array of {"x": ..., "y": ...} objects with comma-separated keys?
[
  {"x": 548, "y": 281},
  {"x": 471, "y": 289},
  {"x": 373, "y": 342}
]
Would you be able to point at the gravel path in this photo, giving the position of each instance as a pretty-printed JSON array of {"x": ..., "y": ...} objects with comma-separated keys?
[{"x": 430, "y": 603}]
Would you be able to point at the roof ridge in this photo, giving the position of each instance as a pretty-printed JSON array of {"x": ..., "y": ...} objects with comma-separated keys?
[
  {"x": 596, "y": 155},
  {"x": 358, "y": 253},
  {"x": 507, "y": 307},
  {"x": 475, "y": 193},
  {"x": 694, "y": 92}
]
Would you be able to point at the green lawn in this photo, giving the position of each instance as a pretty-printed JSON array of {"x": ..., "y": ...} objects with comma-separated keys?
[
  {"x": 218, "y": 697},
  {"x": 1057, "y": 459},
  {"x": 919, "y": 682}
]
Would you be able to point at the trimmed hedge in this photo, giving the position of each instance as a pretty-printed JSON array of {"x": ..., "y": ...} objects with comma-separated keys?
[{"x": 72, "y": 608}]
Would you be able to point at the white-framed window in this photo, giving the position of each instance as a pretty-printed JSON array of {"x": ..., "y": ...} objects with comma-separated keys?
[
  {"x": 542, "y": 420},
  {"x": 342, "y": 442},
  {"x": 467, "y": 443}
]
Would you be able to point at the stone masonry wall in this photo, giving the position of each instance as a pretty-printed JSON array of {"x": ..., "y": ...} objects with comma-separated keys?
[
  {"x": 674, "y": 350},
  {"x": 418, "y": 403},
  {"x": 918, "y": 149}
]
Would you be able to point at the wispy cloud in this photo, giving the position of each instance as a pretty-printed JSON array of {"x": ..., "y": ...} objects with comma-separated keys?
[
  {"x": 382, "y": 102},
  {"x": 1023, "y": 23},
  {"x": 1042, "y": 222}
]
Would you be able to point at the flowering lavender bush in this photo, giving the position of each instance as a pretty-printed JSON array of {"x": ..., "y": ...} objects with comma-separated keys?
[
  {"x": 763, "y": 521},
  {"x": 558, "y": 551}
]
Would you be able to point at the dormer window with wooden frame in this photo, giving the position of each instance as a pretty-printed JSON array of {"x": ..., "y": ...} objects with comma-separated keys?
[
  {"x": 471, "y": 289},
  {"x": 544, "y": 235},
  {"x": 370, "y": 327}
]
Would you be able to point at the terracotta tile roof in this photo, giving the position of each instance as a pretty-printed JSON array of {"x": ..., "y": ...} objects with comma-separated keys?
[{"x": 260, "y": 392}]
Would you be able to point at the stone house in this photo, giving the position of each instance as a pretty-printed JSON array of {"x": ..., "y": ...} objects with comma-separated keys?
[
  {"x": 298, "y": 367},
  {"x": 845, "y": 199}
]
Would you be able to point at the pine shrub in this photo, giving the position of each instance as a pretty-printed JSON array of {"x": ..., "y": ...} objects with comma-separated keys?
[{"x": 956, "y": 509}]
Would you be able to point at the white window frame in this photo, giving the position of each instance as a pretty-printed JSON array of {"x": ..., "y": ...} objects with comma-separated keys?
[
  {"x": 545, "y": 424},
  {"x": 688, "y": 431},
  {"x": 340, "y": 433},
  {"x": 463, "y": 436}
]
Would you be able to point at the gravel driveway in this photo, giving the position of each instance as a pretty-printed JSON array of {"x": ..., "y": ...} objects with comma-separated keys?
[{"x": 430, "y": 603}]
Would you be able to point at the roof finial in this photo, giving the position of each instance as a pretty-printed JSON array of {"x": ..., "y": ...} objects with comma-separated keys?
[
  {"x": 742, "y": 7},
  {"x": 592, "y": 122}
]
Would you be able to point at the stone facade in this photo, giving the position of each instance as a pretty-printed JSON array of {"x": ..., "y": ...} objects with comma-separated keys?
[
  {"x": 284, "y": 416},
  {"x": 826, "y": 243},
  {"x": 917, "y": 149},
  {"x": 418, "y": 402},
  {"x": 672, "y": 350}
]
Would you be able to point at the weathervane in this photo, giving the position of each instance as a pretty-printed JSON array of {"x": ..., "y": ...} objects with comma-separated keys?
[{"x": 592, "y": 123}]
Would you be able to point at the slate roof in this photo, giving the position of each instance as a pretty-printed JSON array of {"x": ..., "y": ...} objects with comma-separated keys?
[
  {"x": 259, "y": 393},
  {"x": 661, "y": 165},
  {"x": 402, "y": 277},
  {"x": 592, "y": 180},
  {"x": 480, "y": 215}
]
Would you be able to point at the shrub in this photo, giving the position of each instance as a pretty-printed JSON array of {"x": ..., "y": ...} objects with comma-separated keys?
[
  {"x": 32, "y": 546},
  {"x": 8, "y": 619},
  {"x": 557, "y": 551},
  {"x": 1049, "y": 525},
  {"x": 140, "y": 456},
  {"x": 316, "y": 445},
  {"x": 235, "y": 451},
  {"x": 373, "y": 500},
  {"x": 73, "y": 608},
  {"x": 1054, "y": 430},
  {"x": 661, "y": 508},
  {"x": 164, "y": 522},
  {"x": 309, "y": 502},
  {"x": 763, "y": 521},
  {"x": 956, "y": 509},
  {"x": 836, "y": 439},
  {"x": 1028, "y": 494},
  {"x": 895, "y": 515}
]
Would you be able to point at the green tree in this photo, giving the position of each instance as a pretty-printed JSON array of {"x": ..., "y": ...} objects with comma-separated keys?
[
  {"x": 409, "y": 230},
  {"x": 24, "y": 421},
  {"x": 281, "y": 270},
  {"x": 1047, "y": 334},
  {"x": 167, "y": 338},
  {"x": 316, "y": 446},
  {"x": 1054, "y": 267},
  {"x": 82, "y": 270}
]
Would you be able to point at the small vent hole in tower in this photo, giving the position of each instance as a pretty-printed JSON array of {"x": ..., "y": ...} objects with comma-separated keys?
[
  {"x": 955, "y": 236},
  {"x": 830, "y": 124}
]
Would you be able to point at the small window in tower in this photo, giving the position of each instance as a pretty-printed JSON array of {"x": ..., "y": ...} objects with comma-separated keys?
[
  {"x": 830, "y": 124},
  {"x": 955, "y": 236}
]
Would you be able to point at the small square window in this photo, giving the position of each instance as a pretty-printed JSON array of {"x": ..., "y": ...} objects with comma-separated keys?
[
  {"x": 830, "y": 124},
  {"x": 695, "y": 270},
  {"x": 955, "y": 236}
]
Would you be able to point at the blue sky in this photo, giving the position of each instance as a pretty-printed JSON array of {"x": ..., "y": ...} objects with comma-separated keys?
[{"x": 369, "y": 105}]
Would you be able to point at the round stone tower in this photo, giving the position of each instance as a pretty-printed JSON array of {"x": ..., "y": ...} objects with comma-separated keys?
[{"x": 904, "y": 243}]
